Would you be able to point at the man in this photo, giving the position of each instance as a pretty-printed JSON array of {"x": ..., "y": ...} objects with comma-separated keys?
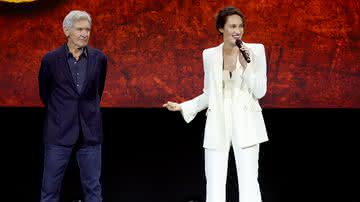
[{"x": 71, "y": 83}]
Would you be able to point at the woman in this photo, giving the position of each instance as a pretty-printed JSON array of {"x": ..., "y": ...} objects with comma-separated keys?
[{"x": 234, "y": 81}]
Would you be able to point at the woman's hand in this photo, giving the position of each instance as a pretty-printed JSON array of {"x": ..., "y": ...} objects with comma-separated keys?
[
  {"x": 242, "y": 60},
  {"x": 245, "y": 48},
  {"x": 172, "y": 106}
]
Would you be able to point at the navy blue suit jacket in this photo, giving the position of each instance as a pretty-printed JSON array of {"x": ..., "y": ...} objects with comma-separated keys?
[{"x": 67, "y": 110}]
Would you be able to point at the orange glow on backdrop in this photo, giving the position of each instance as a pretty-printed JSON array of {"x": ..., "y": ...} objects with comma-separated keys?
[
  {"x": 17, "y": 1},
  {"x": 154, "y": 48}
]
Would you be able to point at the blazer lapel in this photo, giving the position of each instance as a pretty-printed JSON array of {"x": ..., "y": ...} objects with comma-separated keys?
[
  {"x": 218, "y": 67},
  {"x": 63, "y": 64},
  {"x": 90, "y": 68},
  {"x": 215, "y": 60}
]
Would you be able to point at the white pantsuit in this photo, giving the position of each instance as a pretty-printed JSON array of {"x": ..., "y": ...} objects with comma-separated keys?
[{"x": 234, "y": 118}]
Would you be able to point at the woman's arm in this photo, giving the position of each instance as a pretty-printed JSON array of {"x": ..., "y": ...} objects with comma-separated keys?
[
  {"x": 255, "y": 75},
  {"x": 190, "y": 108}
]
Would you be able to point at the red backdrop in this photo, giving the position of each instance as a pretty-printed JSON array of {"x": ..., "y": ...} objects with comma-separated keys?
[{"x": 154, "y": 48}]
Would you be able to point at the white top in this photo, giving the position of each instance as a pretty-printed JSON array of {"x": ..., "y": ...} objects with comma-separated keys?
[{"x": 233, "y": 83}]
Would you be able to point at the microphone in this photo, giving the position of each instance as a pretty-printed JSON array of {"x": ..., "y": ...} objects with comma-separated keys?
[{"x": 239, "y": 43}]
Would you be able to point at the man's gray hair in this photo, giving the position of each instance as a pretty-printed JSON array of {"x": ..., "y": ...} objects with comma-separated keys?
[{"x": 74, "y": 16}]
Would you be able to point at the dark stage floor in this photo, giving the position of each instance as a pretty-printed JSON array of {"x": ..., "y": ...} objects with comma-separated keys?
[{"x": 152, "y": 155}]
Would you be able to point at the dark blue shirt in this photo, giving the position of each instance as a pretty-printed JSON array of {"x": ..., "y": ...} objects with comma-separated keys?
[{"x": 78, "y": 67}]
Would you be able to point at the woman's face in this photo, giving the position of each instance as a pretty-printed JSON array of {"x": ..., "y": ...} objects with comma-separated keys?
[{"x": 233, "y": 29}]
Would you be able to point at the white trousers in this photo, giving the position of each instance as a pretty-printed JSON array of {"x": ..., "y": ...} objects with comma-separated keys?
[{"x": 216, "y": 166}]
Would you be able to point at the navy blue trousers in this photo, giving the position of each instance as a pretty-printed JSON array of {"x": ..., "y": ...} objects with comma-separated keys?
[{"x": 56, "y": 159}]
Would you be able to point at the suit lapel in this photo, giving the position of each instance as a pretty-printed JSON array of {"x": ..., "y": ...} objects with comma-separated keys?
[
  {"x": 218, "y": 66},
  {"x": 91, "y": 62},
  {"x": 64, "y": 65},
  {"x": 215, "y": 60}
]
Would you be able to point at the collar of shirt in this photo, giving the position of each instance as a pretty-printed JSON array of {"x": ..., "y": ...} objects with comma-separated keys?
[{"x": 84, "y": 52}]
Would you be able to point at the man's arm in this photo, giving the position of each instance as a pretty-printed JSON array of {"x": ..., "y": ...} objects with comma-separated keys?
[
  {"x": 103, "y": 72},
  {"x": 44, "y": 81}
]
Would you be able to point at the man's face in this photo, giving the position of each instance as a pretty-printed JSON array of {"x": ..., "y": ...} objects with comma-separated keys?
[
  {"x": 78, "y": 35},
  {"x": 233, "y": 29}
]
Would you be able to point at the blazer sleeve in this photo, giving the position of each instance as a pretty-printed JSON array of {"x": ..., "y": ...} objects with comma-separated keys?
[
  {"x": 103, "y": 73},
  {"x": 44, "y": 81},
  {"x": 191, "y": 107},
  {"x": 255, "y": 75}
]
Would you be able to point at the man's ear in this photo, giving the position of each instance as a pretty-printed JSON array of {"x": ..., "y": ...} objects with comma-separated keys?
[
  {"x": 221, "y": 30},
  {"x": 66, "y": 31}
]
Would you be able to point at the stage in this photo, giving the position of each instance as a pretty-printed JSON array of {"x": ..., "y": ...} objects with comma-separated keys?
[{"x": 153, "y": 155}]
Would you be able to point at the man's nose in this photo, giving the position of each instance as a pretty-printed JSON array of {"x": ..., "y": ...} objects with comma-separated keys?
[{"x": 84, "y": 33}]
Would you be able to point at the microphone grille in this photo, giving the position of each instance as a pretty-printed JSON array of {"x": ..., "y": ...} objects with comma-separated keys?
[{"x": 238, "y": 42}]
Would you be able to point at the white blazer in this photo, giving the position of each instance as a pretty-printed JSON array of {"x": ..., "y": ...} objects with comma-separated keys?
[{"x": 251, "y": 130}]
